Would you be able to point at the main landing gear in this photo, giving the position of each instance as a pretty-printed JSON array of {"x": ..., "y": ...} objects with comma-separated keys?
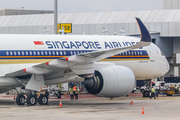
[{"x": 31, "y": 99}]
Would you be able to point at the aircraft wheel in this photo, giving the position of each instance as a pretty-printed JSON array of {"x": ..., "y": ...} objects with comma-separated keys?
[
  {"x": 43, "y": 100},
  {"x": 31, "y": 100},
  {"x": 20, "y": 99}
]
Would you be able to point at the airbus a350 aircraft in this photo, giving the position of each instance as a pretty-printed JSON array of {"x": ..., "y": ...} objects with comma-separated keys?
[{"x": 109, "y": 65}]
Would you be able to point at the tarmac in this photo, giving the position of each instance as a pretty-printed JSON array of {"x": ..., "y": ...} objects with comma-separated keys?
[{"x": 89, "y": 107}]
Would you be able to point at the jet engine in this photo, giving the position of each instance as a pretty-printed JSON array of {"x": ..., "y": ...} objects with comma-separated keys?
[{"x": 113, "y": 81}]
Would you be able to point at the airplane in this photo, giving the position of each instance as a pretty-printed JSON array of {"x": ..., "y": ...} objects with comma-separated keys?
[{"x": 108, "y": 65}]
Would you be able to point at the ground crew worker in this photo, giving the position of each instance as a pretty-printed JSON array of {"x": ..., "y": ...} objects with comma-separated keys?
[
  {"x": 59, "y": 91},
  {"x": 176, "y": 89},
  {"x": 153, "y": 93},
  {"x": 74, "y": 91},
  {"x": 71, "y": 93},
  {"x": 76, "y": 94}
]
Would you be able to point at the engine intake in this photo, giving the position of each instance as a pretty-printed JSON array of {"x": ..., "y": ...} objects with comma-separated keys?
[{"x": 113, "y": 81}]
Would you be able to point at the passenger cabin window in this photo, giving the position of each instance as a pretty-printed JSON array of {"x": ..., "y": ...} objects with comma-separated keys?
[
  {"x": 7, "y": 53},
  {"x": 45, "y": 52},
  {"x": 34, "y": 53},
  {"x": 26, "y": 53},
  {"x": 19, "y": 53},
  {"x": 42, "y": 53},
  {"x": 38, "y": 53},
  {"x": 53, "y": 53},
  {"x": 22, "y": 53},
  {"x": 64, "y": 53},
  {"x": 57, "y": 53},
  {"x": 14, "y": 53},
  {"x": 49, "y": 53},
  {"x": 141, "y": 53},
  {"x": 30, "y": 53}
]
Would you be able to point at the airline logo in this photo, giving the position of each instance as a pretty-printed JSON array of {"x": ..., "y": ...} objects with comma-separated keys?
[
  {"x": 83, "y": 44},
  {"x": 86, "y": 44},
  {"x": 39, "y": 44}
]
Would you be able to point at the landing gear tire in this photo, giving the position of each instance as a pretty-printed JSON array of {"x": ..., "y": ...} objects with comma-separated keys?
[
  {"x": 20, "y": 99},
  {"x": 31, "y": 100},
  {"x": 43, "y": 100},
  {"x": 58, "y": 94}
]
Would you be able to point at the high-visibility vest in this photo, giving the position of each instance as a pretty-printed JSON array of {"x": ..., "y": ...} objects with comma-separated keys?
[
  {"x": 59, "y": 85},
  {"x": 153, "y": 90},
  {"x": 176, "y": 88},
  {"x": 74, "y": 88},
  {"x": 71, "y": 90},
  {"x": 76, "y": 91}
]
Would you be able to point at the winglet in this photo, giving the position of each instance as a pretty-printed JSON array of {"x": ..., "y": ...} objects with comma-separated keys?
[{"x": 145, "y": 36}]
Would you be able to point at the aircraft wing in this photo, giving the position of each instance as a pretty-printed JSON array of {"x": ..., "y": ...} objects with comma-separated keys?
[
  {"x": 99, "y": 55},
  {"x": 66, "y": 63}
]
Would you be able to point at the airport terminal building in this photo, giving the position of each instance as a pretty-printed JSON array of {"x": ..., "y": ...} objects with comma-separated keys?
[{"x": 164, "y": 26}]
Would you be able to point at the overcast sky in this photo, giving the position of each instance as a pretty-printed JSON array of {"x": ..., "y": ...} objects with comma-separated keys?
[{"x": 72, "y": 6}]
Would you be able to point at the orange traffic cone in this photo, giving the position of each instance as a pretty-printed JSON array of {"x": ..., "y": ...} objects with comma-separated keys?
[
  {"x": 60, "y": 105},
  {"x": 131, "y": 103},
  {"x": 142, "y": 110}
]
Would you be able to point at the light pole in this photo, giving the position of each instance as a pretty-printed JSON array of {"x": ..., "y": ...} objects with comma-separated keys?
[{"x": 55, "y": 16}]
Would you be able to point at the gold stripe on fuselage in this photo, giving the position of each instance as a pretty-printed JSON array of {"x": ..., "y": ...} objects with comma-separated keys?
[{"x": 24, "y": 61}]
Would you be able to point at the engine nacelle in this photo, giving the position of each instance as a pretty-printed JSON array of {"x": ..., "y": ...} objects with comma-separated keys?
[{"x": 113, "y": 81}]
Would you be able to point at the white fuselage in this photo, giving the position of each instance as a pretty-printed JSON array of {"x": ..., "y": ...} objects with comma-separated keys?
[{"x": 21, "y": 51}]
